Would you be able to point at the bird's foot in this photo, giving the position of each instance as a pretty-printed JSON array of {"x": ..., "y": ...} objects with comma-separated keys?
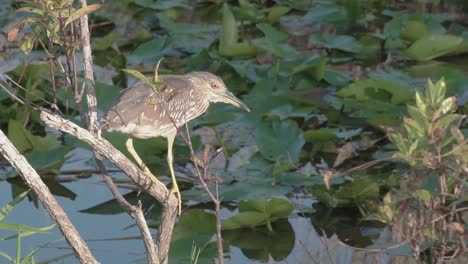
[{"x": 176, "y": 191}]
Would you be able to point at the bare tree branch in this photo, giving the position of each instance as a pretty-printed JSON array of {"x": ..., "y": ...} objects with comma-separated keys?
[
  {"x": 155, "y": 189},
  {"x": 93, "y": 126},
  {"x": 34, "y": 181}
]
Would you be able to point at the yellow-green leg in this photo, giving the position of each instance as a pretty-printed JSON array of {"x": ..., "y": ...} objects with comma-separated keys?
[
  {"x": 170, "y": 159},
  {"x": 131, "y": 149}
]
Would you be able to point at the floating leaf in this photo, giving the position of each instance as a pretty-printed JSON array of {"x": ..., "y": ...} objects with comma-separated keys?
[
  {"x": 25, "y": 141},
  {"x": 339, "y": 42},
  {"x": 433, "y": 46},
  {"x": 359, "y": 190},
  {"x": 258, "y": 212},
  {"x": 378, "y": 89},
  {"x": 259, "y": 244},
  {"x": 279, "y": 140},
  {"x": 272, "y": 34},
  {"x": 276, "y": 12},
  {"x": 147, "y": 52}
]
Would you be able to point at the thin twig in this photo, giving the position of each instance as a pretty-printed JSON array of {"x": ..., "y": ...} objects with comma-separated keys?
[{"x": 364, "y": 165}]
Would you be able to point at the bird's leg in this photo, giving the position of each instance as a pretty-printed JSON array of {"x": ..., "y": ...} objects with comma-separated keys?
[
  {"x": 131, "y": 149},
  {"x": 170, "y": 159}
]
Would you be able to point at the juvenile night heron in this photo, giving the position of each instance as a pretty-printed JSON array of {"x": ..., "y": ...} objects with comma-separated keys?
[{"x": 143, "y": 112}]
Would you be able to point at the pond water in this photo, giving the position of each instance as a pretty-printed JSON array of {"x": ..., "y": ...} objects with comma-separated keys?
[{"x": 113, "y": 238}]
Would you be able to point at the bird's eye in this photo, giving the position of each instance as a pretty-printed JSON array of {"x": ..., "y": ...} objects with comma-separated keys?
[{"x": 214, "y": 86}]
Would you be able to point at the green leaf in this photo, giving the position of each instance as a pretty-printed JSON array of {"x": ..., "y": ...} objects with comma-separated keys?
[
  {"x": 195, "y": 222},
  {"x": 276, "y": 12},
  {"x": 423, "y": 195},
  {"x": 229, "y": 32},
  {"x": 136, "y": 74},
  {"x": 8, "y": 257},
  {"x": 16, "y": 227},
  {"x": 25, "y": 141},
  {"x": 279, "y": 208},
  {"x": 259, "y": 212},
  {"x": 272, "y": 34},
  {"x": 279, "y": 141},
  {"x": 106, "y": 95},
  {"x": 382, "y": 90},
  {"x": 323, "y": 13},
  {"x": 9, "y": 206},
  {"x": 162, "y": 5},
  {"x": 421, "y": 122},
  {"x": 260, "y": 244},
  {"x": 359, "y": 190},
  {"x": 286, "y": 111},
  {"x": 278, "y": 49},
  {"x": 414, "y": 30},
  {"x": 339, "y": 42},
  {"x": 245, "y": 220},
  {"x": 148, "y": 52},
  {"x": 81, "y": 12},
  {"x": 433, "y": 46},
  {"x": 105, "y": 42},
  {"x": 449, "y": 105},
  {"x": 319, "y": 135}
]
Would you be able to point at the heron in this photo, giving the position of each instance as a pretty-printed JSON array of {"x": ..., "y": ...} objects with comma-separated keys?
[{"x": 144, "y": 112}]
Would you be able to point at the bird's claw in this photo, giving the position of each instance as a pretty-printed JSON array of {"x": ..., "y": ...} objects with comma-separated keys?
[{"x": 176, "y": 191}]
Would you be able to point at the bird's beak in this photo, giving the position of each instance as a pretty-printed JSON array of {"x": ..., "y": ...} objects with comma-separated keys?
[{"x": 229, "y": 98}]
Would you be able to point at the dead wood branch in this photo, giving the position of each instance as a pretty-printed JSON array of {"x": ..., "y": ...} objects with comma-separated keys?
[{"x": 35, "y": 182}]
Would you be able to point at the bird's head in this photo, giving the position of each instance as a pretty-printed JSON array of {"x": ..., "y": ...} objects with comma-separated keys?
[{"x": 214, "y": 89}]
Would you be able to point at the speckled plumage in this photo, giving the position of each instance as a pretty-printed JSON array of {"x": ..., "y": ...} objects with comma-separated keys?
[{"x": 144, "y": 113}]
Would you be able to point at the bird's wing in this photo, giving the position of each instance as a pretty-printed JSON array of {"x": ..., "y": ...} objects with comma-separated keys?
[
  {"x": 171, "y": 99},
  {"x": 128, "y": 107},
  {"x": 140, "y": 104}
]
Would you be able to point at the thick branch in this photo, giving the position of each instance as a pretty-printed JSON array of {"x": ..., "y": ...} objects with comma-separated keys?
[
  {"x": 155, "y": 189},
  {"x": 88, "y": 73},
  {"x": 93, "y": 126},
  {"x": 34, "y": 181}
]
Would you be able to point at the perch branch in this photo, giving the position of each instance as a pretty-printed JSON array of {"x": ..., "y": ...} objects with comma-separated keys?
[
  {"x": 157, "y": 190},
  {"x": 34, "y": 181},
  {"x": 93, "y": 126}
]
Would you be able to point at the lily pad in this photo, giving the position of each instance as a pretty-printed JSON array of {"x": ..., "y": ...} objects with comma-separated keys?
[
  {"x": 376, "y": 89},
  {"x": 339, "y": 42},
  {"x": 259, "y": 212},
  {"x": 25, "y": 141},
  {"x": 433, "y": 46},
  {"x": 280, "y": 141},
  {"x": 258, "y": 244},
  {"x": 195, "y": 228}
]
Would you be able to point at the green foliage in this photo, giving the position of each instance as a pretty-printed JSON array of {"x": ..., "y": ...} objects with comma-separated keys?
[
  {"x": 279, "y": 141},
  {"x": 317, "y": 75},
  {"x": 431, "y": 128},
  {"x": 21, "y": 232},
  {"x": 195, "y": 228},
  {"x": 360, "y": 193},
  {"x": 432, "y": 46},
  {"x": 46, "y": 20},
  {"x": 259, "y": 212},
  {"x": 380, "y": 101},
  {"x": 260, "y": 244}
]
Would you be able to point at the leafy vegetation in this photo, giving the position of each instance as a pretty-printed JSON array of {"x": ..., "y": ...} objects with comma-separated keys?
[
  {"x": 331, "y": 85},
  {"x": 21, "y": 231}
]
